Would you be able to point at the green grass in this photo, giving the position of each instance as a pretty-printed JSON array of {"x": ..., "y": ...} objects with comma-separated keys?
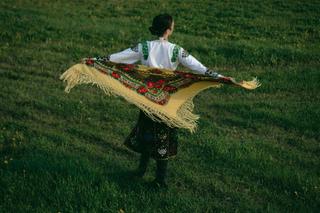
[{"x": 254, "y": 151}]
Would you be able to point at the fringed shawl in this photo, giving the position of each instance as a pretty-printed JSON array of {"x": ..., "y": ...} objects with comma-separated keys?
[{"x": 165, "y": 95}]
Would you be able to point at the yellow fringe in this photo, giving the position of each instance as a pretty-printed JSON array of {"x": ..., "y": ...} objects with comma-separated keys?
[
  {"x": 253, "y": 84},
  {"x": 176, "y": 113}
]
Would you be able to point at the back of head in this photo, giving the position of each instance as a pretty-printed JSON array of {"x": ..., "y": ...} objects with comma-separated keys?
[{"x": 160, "y": 24}]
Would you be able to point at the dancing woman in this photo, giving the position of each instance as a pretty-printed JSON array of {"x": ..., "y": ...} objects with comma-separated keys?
[{"x": 151, "y": 138}]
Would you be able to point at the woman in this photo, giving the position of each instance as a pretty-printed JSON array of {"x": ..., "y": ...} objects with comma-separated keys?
[{"x": 150, "y": 138}]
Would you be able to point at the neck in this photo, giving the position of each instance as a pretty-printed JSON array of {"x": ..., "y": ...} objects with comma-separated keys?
[{"x": 163, "y": 38}]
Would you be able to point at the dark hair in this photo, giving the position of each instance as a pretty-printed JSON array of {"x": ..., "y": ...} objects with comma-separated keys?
[{"x": 160, "y": 24}]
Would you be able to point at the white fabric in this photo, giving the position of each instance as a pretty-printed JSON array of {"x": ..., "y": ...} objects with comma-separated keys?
[{"x": 160, "y": 54}]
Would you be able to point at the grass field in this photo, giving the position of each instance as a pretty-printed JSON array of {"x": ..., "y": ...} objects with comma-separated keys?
[{"x": 254, "y": 151}]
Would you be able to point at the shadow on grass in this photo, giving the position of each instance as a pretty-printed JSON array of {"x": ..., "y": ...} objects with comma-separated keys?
[
  {"x": 280, "y": 183},
  {"x": 66, "y": 179}
]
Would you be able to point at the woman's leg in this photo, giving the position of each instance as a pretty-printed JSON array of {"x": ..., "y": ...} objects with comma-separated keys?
[
  {"x": 161, "y": 172},
  {"x": 143, "y": 163}
]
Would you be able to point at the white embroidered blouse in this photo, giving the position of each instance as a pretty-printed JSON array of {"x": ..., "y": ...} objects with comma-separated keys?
[{"x": 161, "y": 54}]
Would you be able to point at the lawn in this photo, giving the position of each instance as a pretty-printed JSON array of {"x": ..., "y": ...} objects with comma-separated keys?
[{"x": 254, "y": 151}]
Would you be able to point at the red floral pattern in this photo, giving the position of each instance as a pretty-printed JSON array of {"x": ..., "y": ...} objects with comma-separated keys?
[
  {"x": 154, "y": 85},
  {"x": 169, "y": 88},
  {"x": 142, "y": 90},
  {"x": 150, "y": 84},
  {"x": 126, "y": 67},
  {"x": 156, "y": 71},
  {"x": 115, "y": 75},
  {"x": 89, "y": 61}
]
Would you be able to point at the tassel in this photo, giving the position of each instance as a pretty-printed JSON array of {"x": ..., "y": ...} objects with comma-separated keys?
[{"x": 250, "y": 85}]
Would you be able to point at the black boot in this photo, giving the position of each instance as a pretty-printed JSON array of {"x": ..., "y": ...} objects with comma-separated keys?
[
  {"x": 143, "y": 164},
  {"x": 161, "y": 173}
]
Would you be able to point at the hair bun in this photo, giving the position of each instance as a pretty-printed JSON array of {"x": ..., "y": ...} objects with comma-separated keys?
[
  {"x": 153, "y": 31},
  {"x": 160, "y": 24}
]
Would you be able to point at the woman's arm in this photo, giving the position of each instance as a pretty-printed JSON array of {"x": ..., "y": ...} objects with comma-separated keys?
[
  {"x": 192, "y": 63},
  {"x": 127, "y": 56}
]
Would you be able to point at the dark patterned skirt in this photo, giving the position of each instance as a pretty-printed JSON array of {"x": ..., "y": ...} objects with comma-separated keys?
[{"x": 155, "y": 138}]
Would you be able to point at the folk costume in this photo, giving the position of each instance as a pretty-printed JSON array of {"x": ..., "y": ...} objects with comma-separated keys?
[
  {"x": 163, "y": 95},
  {"x": 156, "y": 138}
]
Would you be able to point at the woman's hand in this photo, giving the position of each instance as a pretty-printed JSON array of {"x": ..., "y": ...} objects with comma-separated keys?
[
  {"x": 219, "y": 77},
  {"x": 83, "y": 60},
  {"x": 213, "y": 74},
  {"x": 225, "y": 79}
]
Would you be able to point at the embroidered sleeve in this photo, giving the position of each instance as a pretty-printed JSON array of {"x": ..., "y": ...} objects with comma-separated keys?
[
  {"x": 98, "y": 58},
  {"x": 135, "y": 48},
  {"x": 145, "y": 50},
  {"x": 213, "y": 74},
  {"x": 103, "y": 59},
  {"x": 175, "y": 53},
  {"x": 184, "y": 53},
  {"x": 127, "y": 56}
]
